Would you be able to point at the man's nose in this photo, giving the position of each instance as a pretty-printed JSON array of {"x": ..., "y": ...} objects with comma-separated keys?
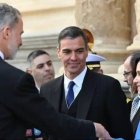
[
  {"x": 46, "y": 67},
  {"x": 73, "y": 56},
  {"x": 135, "y": 80},
  {"x": 125, "y": 79}
]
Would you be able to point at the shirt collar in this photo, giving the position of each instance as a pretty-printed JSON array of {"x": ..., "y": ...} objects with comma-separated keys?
[
  {"x": 1, "y": 55},
  {"x": 77, "y": 80}
]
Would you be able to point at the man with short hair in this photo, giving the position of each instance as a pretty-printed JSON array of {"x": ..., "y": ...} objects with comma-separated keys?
[
  {"x": 129, "y": 72},
  {"x": 135, "y": 109},
  {"x": 131, "y": 76},
  {"x": 128, "y": 77},
  {"x": 40, "y": 66},
  {"x": 82, "y": 93}
]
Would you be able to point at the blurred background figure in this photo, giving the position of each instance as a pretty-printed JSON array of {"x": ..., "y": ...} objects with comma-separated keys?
[
  {"x": 40, "y": 67},
  {"x": 90, "y": 39},
  {"x": 42, "y": 70},
  {"x": 128, "y": 77},
  {"x": 135, "y": 108},
  {"x": 130, "y": 73},
  {"x": 93, "y": 62}
]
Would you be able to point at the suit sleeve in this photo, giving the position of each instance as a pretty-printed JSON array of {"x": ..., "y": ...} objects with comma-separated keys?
[
  {"x": 36, "y": 111},
  {"x": 119, "y": 111}
]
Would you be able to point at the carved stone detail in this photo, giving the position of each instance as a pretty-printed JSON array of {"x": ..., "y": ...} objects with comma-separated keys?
[
  {"x": 109, "y": 21},
  {"x": 136, "y": 41}
]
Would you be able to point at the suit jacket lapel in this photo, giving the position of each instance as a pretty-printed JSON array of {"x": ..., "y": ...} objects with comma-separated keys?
[
  {"x": 59, "y": 89},
  {"x": 86, "y": 95}
]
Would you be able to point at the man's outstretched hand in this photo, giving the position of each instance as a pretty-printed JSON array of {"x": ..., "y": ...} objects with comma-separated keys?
[{"x": 101, "y": 132}]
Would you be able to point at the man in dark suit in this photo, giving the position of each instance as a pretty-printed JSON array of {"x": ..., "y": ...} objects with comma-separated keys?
[
  {"x": 21, "y": 106},
  {"x": 40, "y": 66},
  {"x": 135, "y": 110},
  {"x": 96, "y": 97},
  {"x": 131, "y": 76}
]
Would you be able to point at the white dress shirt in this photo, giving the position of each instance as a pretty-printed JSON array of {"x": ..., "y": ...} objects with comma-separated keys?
[
  {"x": 1, "y": 55},
  {"x": 139, "y": 101},
  {"x": 78, "y": 83}
]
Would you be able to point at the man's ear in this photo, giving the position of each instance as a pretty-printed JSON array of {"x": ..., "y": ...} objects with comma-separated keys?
[
  {"x": 6, "y": 32},
  {"x": 58, "y": 53}
]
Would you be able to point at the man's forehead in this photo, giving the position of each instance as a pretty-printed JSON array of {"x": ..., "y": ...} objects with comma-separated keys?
[
  {"x": 71, "y": 48},
  {"x": 41, "y": 59},
  {"x": 126, "y": 64},
  {"x": 128, "y": 59},
  {"x": 138, "y": 66}
]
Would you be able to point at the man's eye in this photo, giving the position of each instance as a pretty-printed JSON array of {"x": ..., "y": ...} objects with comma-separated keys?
[
  {"x": 66, "y": 52},
  {"x": 80, "y": 50},
  {"x": 49, "y": 63},
  {"x": 138, "y": 73},
  {"x": 40, "y": 66}
]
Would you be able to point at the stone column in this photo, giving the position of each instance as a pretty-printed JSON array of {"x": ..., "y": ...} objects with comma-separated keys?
[
  {"x": 109, "y": 21},
  {"x": 136, "y": 40}
]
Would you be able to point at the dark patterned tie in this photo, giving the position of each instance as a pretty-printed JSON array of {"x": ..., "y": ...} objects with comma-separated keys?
[
  {"x": 70, "y": 95},
  {"x": 134, "y": 107}
]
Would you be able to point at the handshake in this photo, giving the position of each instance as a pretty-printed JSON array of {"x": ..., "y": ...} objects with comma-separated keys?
[{"x": 102, "y": 133}]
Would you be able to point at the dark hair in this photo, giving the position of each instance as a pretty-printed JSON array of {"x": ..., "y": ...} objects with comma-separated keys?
[
  {"x": 72, "y": 32},
  {"x": 135, "y": 58},
  {"x": 8, "y": 15},
  {"x": 35, "y": 54}
]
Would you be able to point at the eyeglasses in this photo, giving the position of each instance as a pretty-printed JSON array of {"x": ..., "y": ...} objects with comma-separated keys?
[{"x": 125, "y": 74}]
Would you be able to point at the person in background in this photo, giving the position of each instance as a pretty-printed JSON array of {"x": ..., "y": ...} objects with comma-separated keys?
[
  {"x": 90, "y": 39},
  {"x": 93, "y": 62},
  {"x": 21, "y": 106},
  {"x": 82, "y": 93},
  {"x": 40, "y": 66},
  {"x": 129, "y": 75}
]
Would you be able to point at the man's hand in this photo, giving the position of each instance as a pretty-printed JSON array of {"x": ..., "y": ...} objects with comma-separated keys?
[{"x": 101, "y": 132}]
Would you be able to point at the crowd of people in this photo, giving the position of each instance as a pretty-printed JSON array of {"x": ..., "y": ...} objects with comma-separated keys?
[{"x": 82, "y": 103}]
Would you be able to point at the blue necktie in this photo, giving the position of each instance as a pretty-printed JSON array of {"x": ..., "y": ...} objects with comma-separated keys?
[
  {"x": 70, "y": 95},
  {"x": 134, "y": 107}
]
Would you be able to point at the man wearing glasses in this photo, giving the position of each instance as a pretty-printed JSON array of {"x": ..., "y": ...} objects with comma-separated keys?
[
  {"x": 129, "y": 75},
  {"x": 132, "y": 79}
]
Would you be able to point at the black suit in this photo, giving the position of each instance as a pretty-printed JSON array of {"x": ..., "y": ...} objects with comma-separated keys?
[
  {"x": 21, "y": 106},
  {"x": 100, "y": 99}
]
